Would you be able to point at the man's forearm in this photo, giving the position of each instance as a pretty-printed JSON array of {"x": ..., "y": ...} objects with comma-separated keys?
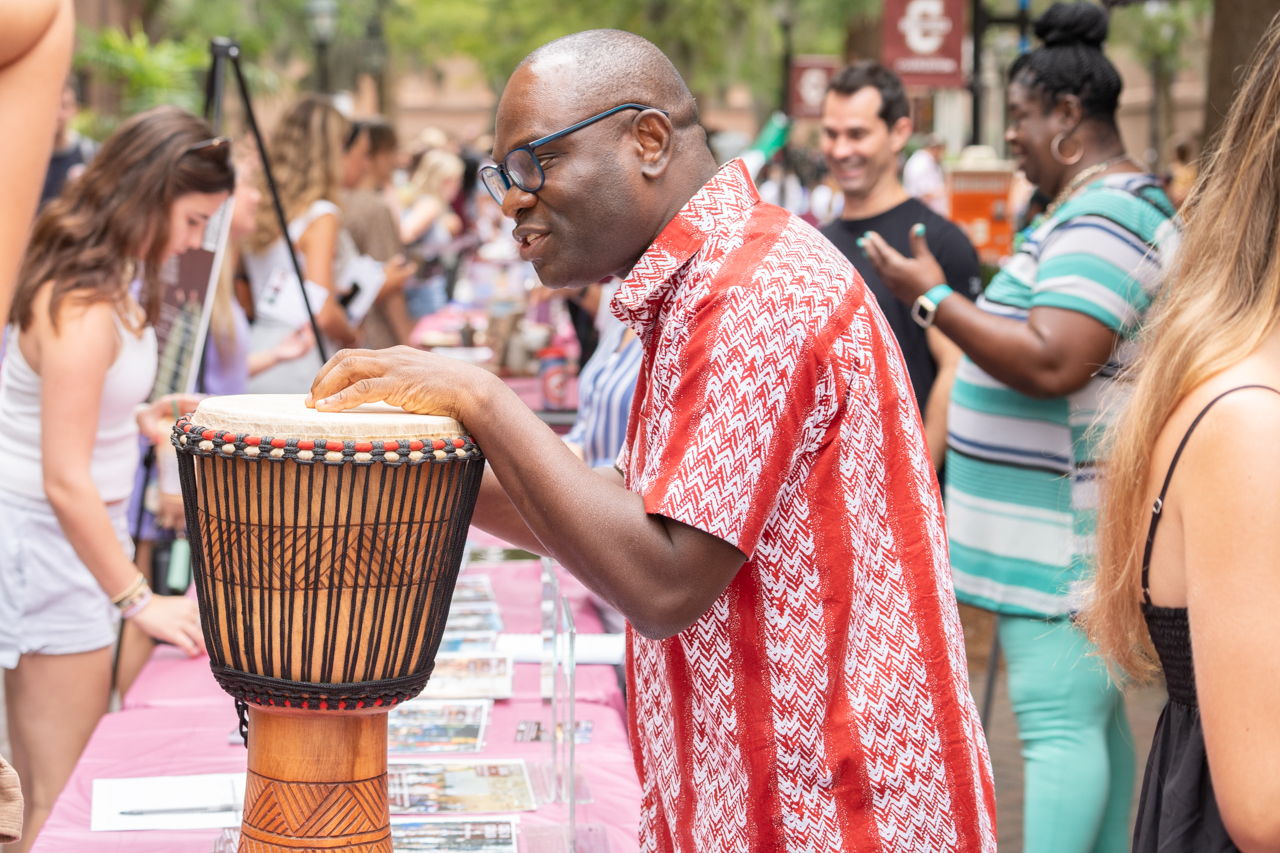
[
  {"x": 593, "y": 526},
  {"x": 496, "y": 514}
]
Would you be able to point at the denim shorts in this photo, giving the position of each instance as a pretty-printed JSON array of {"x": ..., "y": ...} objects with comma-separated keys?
[{"x": 50, "y": 603}]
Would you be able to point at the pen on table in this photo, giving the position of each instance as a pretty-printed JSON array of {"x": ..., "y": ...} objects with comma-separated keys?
[{"x": 183, "y": 810}]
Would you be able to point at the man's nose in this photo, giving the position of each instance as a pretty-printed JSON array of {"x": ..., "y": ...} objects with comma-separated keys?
[
  {"x": 841, "y": 149},
  {"x": 517, "y": 200}
]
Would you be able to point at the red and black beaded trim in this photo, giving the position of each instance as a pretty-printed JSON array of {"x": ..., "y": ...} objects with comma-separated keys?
[{"x": 202, "y": 441}]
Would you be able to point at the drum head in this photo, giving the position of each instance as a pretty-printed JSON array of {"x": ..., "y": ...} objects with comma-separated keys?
[{"x": 286, "y": 416}]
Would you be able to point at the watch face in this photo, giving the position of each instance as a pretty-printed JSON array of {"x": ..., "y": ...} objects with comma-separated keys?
[{"x": 922, "y": 313}]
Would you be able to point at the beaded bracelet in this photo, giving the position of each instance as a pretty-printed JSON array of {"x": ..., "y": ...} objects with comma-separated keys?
[
  {"x": 130, "y": 591},
  {"x": 133, "y": 599},
  {"x": 134, "y": 607}
]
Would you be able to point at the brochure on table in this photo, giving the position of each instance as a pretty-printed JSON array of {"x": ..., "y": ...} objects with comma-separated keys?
[{"x": 438, "y": 725}]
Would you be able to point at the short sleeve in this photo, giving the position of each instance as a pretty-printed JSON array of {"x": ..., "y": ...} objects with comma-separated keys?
[
  {"x": 719, "y": 453},
  {"x": 1093, "y": 265}
]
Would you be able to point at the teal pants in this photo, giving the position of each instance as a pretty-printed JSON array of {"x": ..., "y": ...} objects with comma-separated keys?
[{"x": 1076, "y": 744}]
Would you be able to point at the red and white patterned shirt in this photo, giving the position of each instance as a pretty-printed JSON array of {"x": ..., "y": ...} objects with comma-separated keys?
[{"x": 822, "y": 703}]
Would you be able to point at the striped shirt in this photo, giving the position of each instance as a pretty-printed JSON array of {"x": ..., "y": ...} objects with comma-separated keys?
[
  {"x": 822, "y": 702},
  {"x": 605, "y": 386},
  {"x": 1021, "y": 492}
]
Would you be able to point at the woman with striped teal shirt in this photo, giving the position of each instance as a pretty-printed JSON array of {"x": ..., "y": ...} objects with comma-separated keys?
[{"x": 1042, "y": 348}]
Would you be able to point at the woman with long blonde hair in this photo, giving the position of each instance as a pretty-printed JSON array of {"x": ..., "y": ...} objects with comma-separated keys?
[
  {"x": 307, "y": 161},
  {"x": 1188, "y": 567}
]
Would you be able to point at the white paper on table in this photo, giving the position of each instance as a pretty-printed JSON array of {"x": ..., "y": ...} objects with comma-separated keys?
[
  {"x": 154, "y": 795},
  {"x": 607, "y": 649}
]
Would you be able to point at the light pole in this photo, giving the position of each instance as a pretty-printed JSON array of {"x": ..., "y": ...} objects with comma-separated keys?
[
  {"x": 375, "y": 56},
  {"x": 323, "y": 15},
  {"x": 786, "y": 20}
]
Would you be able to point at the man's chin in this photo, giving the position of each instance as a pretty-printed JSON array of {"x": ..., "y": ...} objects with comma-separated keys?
[{"x": 559, "y": 279}]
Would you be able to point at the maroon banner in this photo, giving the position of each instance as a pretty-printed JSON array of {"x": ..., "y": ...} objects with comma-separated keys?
[
  {"x": 921, "y": 41},
  {"x": 809, "y": 78}
]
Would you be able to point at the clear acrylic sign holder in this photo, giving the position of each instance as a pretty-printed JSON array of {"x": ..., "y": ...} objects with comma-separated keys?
[{"x": 557, "y": 780}]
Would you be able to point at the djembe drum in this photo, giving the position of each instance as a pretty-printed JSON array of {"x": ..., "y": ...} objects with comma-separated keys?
[{"x": 325, "y": 549}]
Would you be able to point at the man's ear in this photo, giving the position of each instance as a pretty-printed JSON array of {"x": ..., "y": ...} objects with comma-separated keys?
[
  {"x": 899, "y": 133},
  {"x": 655, "y": 140}
]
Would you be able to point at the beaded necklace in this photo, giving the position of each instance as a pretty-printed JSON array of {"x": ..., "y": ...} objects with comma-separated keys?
[{"x": 1080, "y": 179}]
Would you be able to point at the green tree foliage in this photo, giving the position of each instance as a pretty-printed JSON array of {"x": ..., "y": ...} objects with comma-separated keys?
[
  {"x": 149, "y": 74},
  {"x": 1157, "y": 30},
  {"x": 714, "y": 43}
]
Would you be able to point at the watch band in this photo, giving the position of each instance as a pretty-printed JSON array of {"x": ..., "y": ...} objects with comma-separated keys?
[{"x": 926, "y": 306}]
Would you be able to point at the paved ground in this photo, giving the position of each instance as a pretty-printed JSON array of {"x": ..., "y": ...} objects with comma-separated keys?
[{"x": 1002, "y": 733}]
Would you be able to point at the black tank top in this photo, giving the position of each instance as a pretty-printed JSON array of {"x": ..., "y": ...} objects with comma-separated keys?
[{"x": 1177, "y": 811}]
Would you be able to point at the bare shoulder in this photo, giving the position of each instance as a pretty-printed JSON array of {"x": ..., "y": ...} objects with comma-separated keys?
[
  {"x": 1241, "y": 430},
  {"x": 87, "y": 325}
]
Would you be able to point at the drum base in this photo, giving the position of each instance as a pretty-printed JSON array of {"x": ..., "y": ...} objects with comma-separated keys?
[{"x": 317, "y": 782}]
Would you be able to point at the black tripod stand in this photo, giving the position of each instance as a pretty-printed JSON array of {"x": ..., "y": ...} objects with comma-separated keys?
[{"x": 224, "y": 51}]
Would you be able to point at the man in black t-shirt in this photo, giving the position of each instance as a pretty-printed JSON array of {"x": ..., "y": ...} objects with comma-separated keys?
[
  {"x": 71, "y": 151},
  {"x": 865, "y": 124}
]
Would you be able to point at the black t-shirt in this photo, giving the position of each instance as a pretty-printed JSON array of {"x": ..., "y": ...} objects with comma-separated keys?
[
  {"x": 60, "y": 166},
  {"x": 948, "y": 244}
]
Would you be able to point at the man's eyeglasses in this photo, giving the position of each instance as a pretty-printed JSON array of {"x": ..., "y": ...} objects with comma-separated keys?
[
  {"x": 521, "y": 167},
  {"x": 218, "y": 148}
]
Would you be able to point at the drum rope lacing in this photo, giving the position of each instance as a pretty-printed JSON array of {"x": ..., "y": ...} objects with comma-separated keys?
[{"x": 358, "y": 606}]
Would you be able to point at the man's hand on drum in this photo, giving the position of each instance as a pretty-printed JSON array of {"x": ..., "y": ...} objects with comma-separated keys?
[
  {"x": 174, "y": 619},
  {"x": 414, "y": 380}
]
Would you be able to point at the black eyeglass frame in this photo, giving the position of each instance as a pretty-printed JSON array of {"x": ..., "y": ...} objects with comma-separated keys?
[{"x": 498, "y": 179}]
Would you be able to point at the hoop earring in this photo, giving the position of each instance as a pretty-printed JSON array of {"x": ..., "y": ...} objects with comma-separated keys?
[{"x": 1055, "y": 148}]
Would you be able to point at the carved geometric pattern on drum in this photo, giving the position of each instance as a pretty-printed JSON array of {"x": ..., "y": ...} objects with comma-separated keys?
[
  {"x": 249, "y": 845},
  {"x": 884, "y": 668},
  {"x": 300, "y": 810}
]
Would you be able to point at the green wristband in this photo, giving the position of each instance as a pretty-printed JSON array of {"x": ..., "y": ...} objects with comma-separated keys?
[{"x": 937, "y": 293}]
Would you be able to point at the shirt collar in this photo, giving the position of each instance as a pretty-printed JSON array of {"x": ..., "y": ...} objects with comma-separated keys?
[{"x": 723, "y": 202}]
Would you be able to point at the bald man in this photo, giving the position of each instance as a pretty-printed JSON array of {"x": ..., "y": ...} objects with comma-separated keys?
[{"x": 772, "y": 530}]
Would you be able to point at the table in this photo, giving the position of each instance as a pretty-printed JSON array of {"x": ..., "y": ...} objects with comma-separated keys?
[{"x": 176, "y": 721}]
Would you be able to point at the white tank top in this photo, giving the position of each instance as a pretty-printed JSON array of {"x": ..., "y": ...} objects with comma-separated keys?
[
  {"x": 114, "y": 466},
  {"x": 272, "y": 279}
]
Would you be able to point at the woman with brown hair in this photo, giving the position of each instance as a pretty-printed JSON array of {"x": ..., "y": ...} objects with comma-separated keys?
[
  {"x": 81, "y": 358},
  {"x": 307, "y": 162},
  {"x": 1188, "y": 567}
]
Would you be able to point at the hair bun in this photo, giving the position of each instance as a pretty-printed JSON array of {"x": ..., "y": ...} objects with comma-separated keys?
[{"x": 1067, "y": 24}]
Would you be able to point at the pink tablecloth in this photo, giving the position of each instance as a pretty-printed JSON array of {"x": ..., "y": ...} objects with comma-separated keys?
[
  {"x": 180, "y": 741},
  {"x": 175, "y": 721}
]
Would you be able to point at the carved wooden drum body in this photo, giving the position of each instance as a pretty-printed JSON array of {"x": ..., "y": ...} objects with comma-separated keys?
[{"x": 325, "y": 549}]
